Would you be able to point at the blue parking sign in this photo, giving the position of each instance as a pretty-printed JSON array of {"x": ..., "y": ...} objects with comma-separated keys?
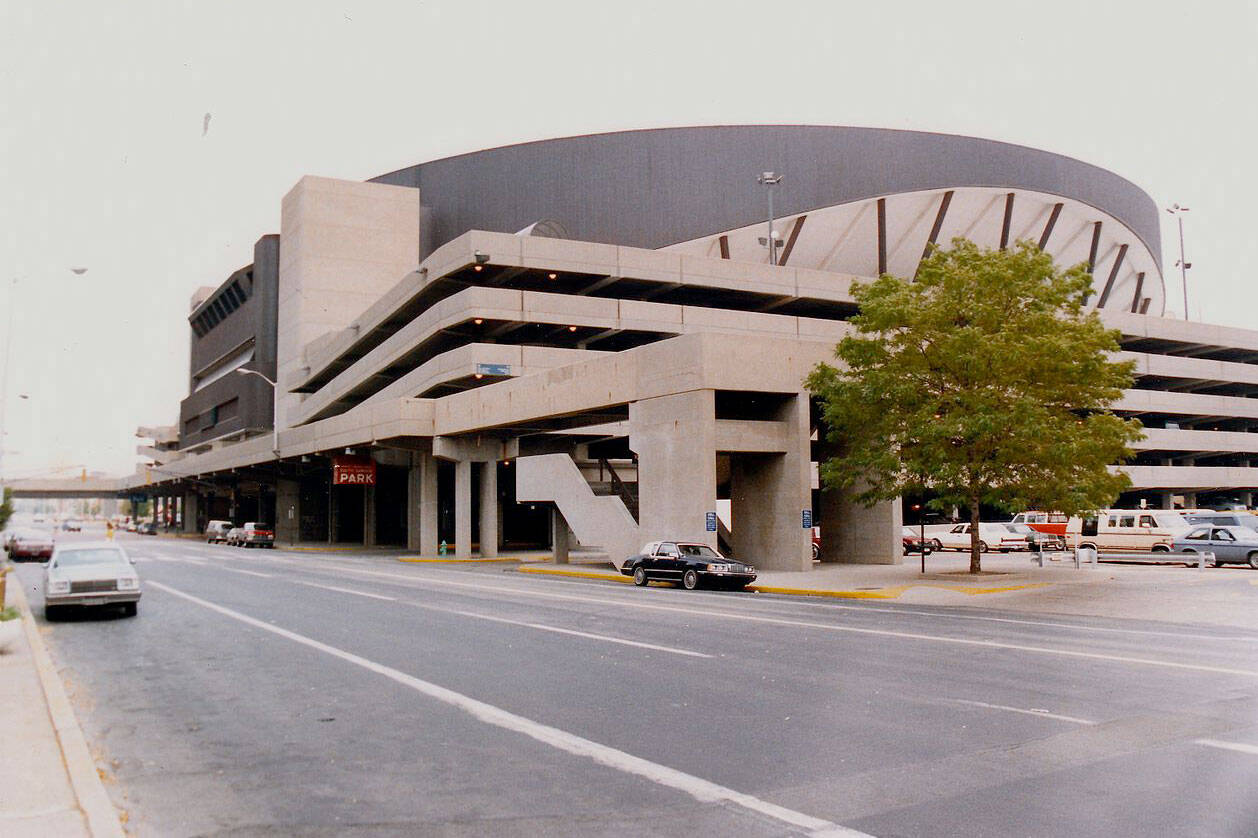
[
  {"x": 807, "y": 519},
  {"x": 710, "y": 521}
]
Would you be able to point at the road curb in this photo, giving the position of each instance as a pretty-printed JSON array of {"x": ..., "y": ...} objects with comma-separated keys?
[
  {"x": 426, "y": 560},
  {"x": 102, "y": 818},
  {"x": 886, "y": 592},
  {"x": 580, "y": 574}
]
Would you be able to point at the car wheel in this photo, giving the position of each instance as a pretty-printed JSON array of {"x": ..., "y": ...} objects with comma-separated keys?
[
  {"x": 1253, "y": 560},
  {"x": 982, "y": 546},
  {"x": 1160, "y": 548},
  {"x": 51, "y": 612},
  {"x": 816, "y": 552},
  {"x": 1191, "y": 559},
  {"x": 690, "y": 580},
  {"x": 130, "y": 609},
  {"x": 936, "y": 544},
  {"x": 639, "y": 577}
]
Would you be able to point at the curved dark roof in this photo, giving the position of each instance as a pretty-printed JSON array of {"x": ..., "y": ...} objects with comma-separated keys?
[{"x": 652, "y": 188}]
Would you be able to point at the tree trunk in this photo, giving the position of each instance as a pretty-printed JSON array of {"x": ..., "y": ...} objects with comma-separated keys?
[{"x": 975, "y": 561}]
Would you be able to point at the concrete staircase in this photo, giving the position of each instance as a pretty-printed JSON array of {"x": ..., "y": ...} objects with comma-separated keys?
[{"x": 598, "y": 521}]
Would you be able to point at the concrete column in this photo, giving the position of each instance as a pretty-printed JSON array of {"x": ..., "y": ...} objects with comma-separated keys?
[
  {"x": 1247, "y": 498},
  {"x": 369, "y": 516},
  {"x": 768, "y": 496},
  {"x": 1168, "y": 499},
  {"x": 288, "y": 511},
  {"x": 463, "y": 509},
  {"x": 190, "y": 507},
  {"x": 421, "y": 505},
  {"x": 1190, "y": 500},
  {"x": 489, "y": 509},
  {"x": 866, "y": 535},
  {"x": 333, "y": 511},
  {"x": 675, "y": 439},
  {"x": 559, "y": 536}
]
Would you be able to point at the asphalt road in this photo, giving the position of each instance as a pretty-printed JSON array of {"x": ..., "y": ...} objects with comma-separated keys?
[{"x": 272, "y": 693}]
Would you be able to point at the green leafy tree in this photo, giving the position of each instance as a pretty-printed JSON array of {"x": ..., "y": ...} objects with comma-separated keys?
[
  {"x": 983, "y": 380},
  {"x": 6, "y": 509}
]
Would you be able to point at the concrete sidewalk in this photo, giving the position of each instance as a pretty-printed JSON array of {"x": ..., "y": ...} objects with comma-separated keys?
[
  {"x": 50, "y": 783},
  {"x": 1226, "y": 596}
]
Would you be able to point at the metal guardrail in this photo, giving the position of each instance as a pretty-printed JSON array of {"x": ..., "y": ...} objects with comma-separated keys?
[{"x": 1086, "y": 555}]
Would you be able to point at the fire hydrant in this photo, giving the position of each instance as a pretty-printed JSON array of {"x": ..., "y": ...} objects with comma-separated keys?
[{"x": 441, "y": 550}]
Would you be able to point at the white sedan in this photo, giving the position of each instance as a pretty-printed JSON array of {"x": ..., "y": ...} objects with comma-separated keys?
[
  {"x": 991, "y": 537},
  {"x": 87, "y": 573}
]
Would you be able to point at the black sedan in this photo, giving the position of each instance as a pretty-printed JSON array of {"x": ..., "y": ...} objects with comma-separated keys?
[{"x": 687, "y": 563}]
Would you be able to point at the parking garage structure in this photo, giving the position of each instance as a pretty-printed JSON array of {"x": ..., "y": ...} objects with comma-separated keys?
[{"x": 583, "y": 342}]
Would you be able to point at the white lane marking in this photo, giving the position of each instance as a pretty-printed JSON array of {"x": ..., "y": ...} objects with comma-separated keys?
[
  {"x": 781, "y": 621},
  {"x": 345, "y": 590},
  {"x": 1048, "y": 623},
  {"x": 250, "y": 572},
  {"x": 698, "y": 788},
  {"x": 1030, "y": 712},
  {"x": 557, "y": 630},
  {"x": 1228, "y": 746}
]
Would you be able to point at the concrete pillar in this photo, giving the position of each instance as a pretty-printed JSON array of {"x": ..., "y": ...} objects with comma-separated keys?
[
  {"x": 866, "y": 535},
  {"x": 768, "y": 496},
  {"x": 463, "y": 509},
  {"x": 190, "y": 507},
  {"x": 421, "y": 505},
  {"x": 333, "y": 511},
  {"x": 489, "y": 509},
  {"x": 675, "y": 439},
  {"x": 1190, "y": 500},
  {"x": 1247, "y": 498},
  {"x": 288, "y": 511},
  {"x": 369, "y": 516},
  {"x": 559, "y": 536},
  {"x": 1167, "y": 499}
]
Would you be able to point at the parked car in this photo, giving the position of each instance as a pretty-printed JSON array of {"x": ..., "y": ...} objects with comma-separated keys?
[
  {"x": 816, "y": 544},
  {"x": 252, "y": 534},
  {"x": 1240, "y": 518},
  {"x": 1037, "y": 540},
  {"x": 912, "y": 541},
  {"x": 71, "y": 526},
  {"x": 1053, "y": 523},
  {"x": 1136, "y": 530},
  {"x": 1230, "y": 545},
  {"x": 232, "y": 536},
  {"x": 688, "y": 563},
  {"x": 88, "y": 574},
  {"x": 25, "y": 544},
  {"x": 216, "y": 531},
  {"x": 146, "y": 528},
  {"x": 990, "y": 537}
]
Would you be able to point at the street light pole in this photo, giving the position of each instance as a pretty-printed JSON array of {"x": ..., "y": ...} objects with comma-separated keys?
[
  {"x": 1177, "y": 211},
  {"x": 770, "y": 180},
  {"x": 275, "y": 424}
]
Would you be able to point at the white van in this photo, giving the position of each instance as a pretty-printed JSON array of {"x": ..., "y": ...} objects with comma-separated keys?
[{"x": 1135, "y": 530}]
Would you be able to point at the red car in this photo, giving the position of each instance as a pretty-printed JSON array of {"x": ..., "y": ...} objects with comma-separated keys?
[
  {"x": 912, "y": 541},
  {"x": 29, "y": 544}
]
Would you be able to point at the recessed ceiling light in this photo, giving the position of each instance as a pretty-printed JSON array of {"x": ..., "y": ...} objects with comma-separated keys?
[{"x": 552, "y": 276}]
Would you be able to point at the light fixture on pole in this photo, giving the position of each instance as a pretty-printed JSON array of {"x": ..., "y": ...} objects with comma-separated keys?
[
  {"x": 275, "y": 424},
  {"x": 770, "y": 180},
  {"x": 1178, "y": 211}
]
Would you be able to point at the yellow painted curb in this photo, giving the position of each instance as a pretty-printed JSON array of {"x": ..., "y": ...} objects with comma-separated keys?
[
  {"x": 421, "y": 560},
  {"x": 581, "y": 574},
  {"x": 881, "y": 593}
]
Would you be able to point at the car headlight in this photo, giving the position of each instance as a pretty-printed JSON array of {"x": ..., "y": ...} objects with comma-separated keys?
[
  {"x": 718, "y": 568},
  {"x": 128, "y": 583},
  {"x": 59, "y": 586}
]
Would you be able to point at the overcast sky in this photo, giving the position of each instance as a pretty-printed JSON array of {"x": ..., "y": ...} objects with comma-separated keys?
[{"x": 108, "y": 165}]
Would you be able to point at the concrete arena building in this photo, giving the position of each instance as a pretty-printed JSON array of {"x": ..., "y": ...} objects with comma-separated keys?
[{"x": 582, "y": 340}]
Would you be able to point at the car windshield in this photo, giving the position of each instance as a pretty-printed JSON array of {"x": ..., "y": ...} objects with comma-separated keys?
[
  {"x": 90, "y": 556},
  {"x": 1171, "y": 520},
  {"x": 701, "y": 550},
  {"x": 1020, "y": 528}
]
